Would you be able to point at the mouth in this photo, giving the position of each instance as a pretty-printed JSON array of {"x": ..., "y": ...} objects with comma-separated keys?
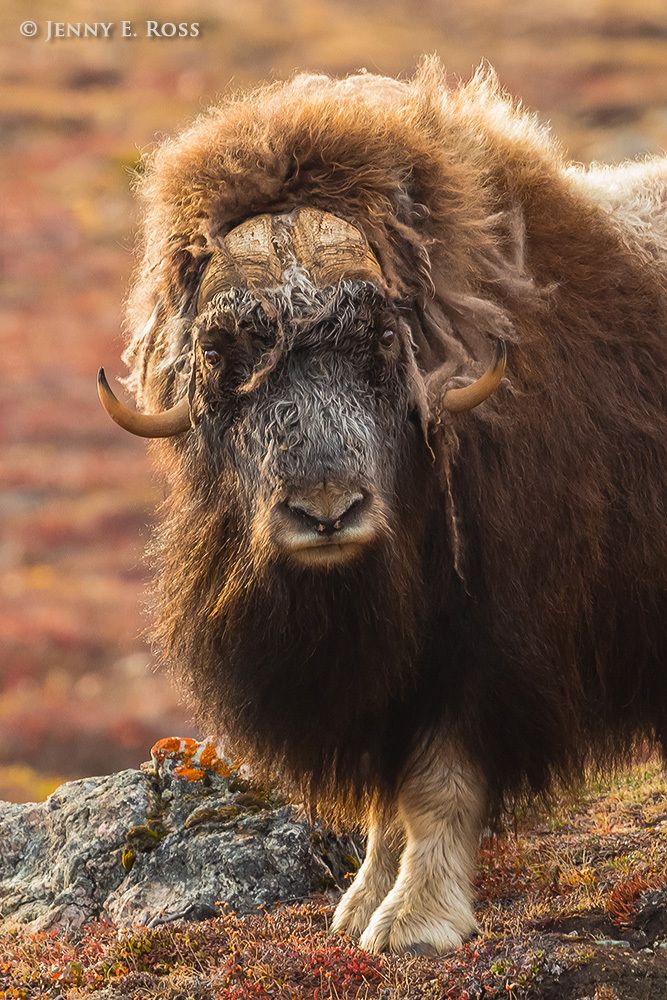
[
  {"x": 306, "y": 547},
  {"x": 325, "y": 552}
]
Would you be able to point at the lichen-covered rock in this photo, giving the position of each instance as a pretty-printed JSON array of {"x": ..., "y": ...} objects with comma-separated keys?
[
  {"x": 186, "y": 832},
  {"x": 60, "y": 859}
]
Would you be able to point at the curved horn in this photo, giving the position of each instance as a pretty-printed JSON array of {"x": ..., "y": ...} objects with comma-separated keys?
[
  {"x": 469, "y": 396},
  {"x": 246, "y": 259},
  {"x": 149, "y": 425},
  {"x": 330, "y": 248}
]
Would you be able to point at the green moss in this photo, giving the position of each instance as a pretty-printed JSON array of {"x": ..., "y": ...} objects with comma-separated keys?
[
  {"x": 205, "y": 815},
  {"x": 144, "y": 836},
  {"x": 127, "y": 859},
  {"x": 254, "y": 800}
]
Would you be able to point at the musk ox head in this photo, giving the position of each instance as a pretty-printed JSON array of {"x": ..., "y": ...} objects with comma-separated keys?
[{"x": 303, "y": 380}]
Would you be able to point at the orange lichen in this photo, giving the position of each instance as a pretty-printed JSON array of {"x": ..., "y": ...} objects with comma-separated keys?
[
  {"x": 209, "y": 759},
  {"x": 171, "y": 745},
  {"x": 191, "y": 773},
  {"x": 193, "y": 759}
]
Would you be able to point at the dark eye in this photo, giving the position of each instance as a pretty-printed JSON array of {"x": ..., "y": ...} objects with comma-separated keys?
[
  {"x": 387, "y": 338},
  {"x": 212, "y": 358}
]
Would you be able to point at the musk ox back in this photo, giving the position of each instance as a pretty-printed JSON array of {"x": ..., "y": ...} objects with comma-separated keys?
[{"x": 416, "y": 589}]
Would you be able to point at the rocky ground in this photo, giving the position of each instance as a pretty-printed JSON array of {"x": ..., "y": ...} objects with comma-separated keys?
[{"x": 184, "y": 881}]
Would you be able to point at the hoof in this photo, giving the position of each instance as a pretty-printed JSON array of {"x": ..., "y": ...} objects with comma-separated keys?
[
  {"x": 421, "y": 948},
  {"x": 356, "y": 908}
]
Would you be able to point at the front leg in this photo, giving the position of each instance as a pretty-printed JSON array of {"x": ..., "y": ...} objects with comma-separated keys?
[
  {"x": 429, "y": 910},
  {"x": 375, "y": 877}
]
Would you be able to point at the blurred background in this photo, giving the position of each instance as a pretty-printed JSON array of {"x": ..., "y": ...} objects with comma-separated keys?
[{"x": 78, "y": 694}]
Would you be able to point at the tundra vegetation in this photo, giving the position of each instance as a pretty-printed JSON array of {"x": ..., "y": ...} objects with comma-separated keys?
[{"x": 572, "y": 904}]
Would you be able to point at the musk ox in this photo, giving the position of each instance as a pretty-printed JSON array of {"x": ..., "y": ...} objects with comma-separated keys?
[{"x": 411, "y": 369}]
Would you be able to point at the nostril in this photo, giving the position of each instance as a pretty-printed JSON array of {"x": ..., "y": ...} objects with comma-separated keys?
[
  {"x": 355, "y": 504},
  {"x": 301, "y": 513},
  {"x": 322, "y": 525}
]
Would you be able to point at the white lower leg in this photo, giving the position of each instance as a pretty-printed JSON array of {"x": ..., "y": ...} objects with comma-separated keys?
[
  {"x": 430, "y": 906},
  {"x": 375, "y": 877}
]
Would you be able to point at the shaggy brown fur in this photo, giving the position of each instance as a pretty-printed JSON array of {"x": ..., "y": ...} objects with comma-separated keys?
[{"x": 551, "y": 493}]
